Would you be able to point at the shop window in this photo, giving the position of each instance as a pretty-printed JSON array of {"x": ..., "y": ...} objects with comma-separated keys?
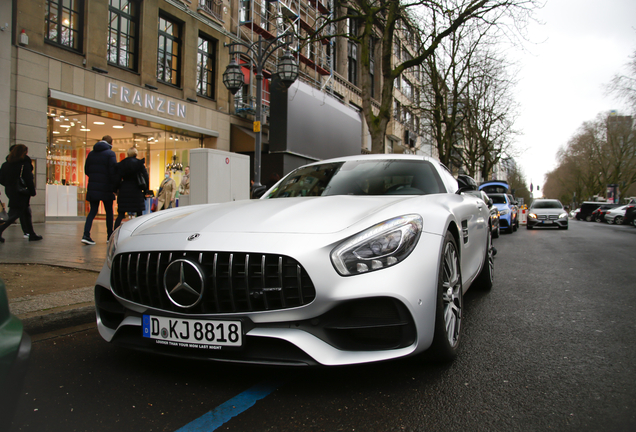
[
  {"x": 122, "y": 33},
  {"x": 206, "y": 66},
  {"x": 168, "y": 51},
  {"x": 64, "y": 23}
]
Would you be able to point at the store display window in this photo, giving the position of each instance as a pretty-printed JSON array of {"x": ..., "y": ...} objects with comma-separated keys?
[{"x": 73, "y": 130}]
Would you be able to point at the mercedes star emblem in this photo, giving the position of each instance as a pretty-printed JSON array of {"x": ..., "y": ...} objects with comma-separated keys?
[
  {"x": 184, "y": 283},
  {"x": 194, "y": 237}
]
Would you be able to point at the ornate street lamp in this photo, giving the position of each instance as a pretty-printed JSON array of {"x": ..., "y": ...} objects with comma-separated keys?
[
  {"x": 287, "y": 69},
  {"x": 258, "y": 53},
  {"x": 233, "y": 77}
]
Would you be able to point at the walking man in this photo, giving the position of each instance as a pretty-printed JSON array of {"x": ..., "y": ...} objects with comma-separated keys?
[
  {"x": 100, "y": 168},
  {"x": 167, "y": 192}
]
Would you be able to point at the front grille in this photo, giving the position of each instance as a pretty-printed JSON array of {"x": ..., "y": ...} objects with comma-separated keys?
[
  {"x": 548, "y": 217},
  {"x": 234, "y": 282}
]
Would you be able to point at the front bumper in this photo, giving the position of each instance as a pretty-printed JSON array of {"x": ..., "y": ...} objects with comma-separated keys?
[
  {"x": 370, "y": 317},
  {"x": 560, "y": 223}
]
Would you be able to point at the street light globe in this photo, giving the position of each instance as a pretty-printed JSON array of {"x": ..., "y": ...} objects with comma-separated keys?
[
  {"x": 233, "y": 77},
  {"x": 287, "y": 69}
]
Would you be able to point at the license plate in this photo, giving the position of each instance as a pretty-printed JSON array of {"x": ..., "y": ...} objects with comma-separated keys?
[{"x": 190, "y": 333}]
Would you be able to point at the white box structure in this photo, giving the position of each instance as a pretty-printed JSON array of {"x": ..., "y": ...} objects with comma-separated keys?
[{"x": 218, "y": 176}]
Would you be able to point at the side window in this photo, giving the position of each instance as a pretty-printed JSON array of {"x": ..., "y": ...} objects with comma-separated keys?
[{"x": 64, "y": 23}]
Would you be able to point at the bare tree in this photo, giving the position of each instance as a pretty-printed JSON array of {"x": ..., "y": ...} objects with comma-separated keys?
[
  {"x": 624, "y": 86},
  {"x": 428, "y": 22}
]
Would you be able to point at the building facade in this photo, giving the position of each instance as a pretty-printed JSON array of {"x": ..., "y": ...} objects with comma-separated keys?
[{"x": 150, "y": 74}]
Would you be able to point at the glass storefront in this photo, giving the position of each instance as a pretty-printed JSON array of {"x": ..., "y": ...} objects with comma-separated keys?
[{"x": 73, "y": 130}]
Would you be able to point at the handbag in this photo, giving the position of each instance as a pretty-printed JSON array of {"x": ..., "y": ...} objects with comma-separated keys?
[
  {"x": 21, "y": 185},
  {"x": 3, "y": 214},
  {"x": 141, "y": 181}
]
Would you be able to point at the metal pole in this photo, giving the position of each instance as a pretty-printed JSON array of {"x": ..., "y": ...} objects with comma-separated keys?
[{"x": 258, "y": 120}]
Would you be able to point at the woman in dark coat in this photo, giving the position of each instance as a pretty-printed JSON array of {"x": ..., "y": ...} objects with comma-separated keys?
[
  {"x": 130, "y": 198},
  {"x": 18, "y": 164}
]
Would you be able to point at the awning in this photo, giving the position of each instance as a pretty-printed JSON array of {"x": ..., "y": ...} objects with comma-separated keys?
[{"x": 80, "y": 100}]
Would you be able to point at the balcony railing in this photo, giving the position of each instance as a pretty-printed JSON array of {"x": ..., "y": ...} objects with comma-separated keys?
[{"x": 212, "y": 7}]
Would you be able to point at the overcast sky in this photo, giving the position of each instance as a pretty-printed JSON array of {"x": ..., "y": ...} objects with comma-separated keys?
[{"x": 576, "y": 52}]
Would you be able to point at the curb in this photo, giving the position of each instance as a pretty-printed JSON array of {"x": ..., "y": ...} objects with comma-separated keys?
[{"x": 54, "y": 321}]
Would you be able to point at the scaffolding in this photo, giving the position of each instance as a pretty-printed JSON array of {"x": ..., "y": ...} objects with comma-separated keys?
[{"x": 270, "y": 19}]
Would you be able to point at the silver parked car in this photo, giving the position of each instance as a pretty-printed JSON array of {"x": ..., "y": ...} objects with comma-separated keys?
[
  {"x": 547, "y": 213},
  {"x": 616, "y": 215},
  {"x": 345, "y": 261}
]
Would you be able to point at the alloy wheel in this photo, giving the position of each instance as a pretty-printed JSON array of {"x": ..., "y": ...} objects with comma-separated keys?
[{"x": 452, "y": 295}]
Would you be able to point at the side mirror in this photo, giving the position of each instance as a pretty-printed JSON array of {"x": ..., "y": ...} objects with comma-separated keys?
[
  {"x": 465, "y": 183},
  {"x": 258, "y": 192}
]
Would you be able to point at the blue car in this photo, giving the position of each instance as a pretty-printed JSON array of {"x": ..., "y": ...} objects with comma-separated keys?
[
  {"x": 506, "y": 204},
  {"x": 508, "y": 221}
]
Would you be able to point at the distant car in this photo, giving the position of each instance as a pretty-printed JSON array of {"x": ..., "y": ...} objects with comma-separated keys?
[
  {"x": 494, "y": 212},
  {"x": 507, "y": 216},
  {"x": 574, "y": 213},
  {"x": 344, "y": 261},
  {"x": 616, "y": 215},
  {"x": 547, "y": 213},
  {"x": 586, "y": 210},
  {"x": 598, "y": 215},
  {"x": 15, "y": 348}
]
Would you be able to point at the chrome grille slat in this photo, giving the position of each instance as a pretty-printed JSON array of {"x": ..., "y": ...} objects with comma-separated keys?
[{"x": 235, "y": 282}]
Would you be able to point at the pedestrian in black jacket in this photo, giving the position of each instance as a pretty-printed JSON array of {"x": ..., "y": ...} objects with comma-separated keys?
[
  {"x": 130, "y": 197},
  {"x": 100, "y": 168},
  {"x": 18, "y": 165}
]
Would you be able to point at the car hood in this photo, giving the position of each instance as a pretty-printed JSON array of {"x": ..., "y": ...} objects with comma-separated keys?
[
  {"x": 547, "y": 211},
  {"x": 319, "y": 215}
]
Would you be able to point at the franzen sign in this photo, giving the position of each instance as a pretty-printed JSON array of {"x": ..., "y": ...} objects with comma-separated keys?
[{"x": 146, "y": 100}]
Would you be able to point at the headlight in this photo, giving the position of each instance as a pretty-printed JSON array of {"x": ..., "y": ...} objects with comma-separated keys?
[
  {"x": 380, "y": 246},
  {"x": 532, "y": 216},
  {"x": 563, "y": 215},
  {"x": 112, "y": 247},
  {"x": 504, "y": 212}
]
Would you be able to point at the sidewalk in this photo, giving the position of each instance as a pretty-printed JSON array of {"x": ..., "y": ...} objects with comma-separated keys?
[{"x": 51, "y": 309}]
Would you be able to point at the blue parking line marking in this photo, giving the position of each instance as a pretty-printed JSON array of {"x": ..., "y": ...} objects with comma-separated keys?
[{"x": 214, "y": 419}]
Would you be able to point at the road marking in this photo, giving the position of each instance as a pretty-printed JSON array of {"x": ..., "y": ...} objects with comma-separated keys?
[{"x": 212, "y": 420}]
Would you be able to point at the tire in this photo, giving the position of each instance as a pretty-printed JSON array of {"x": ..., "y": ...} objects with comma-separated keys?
[
  {"x": 514, "y": 227},
  {"x": 618, "y": 220},
  {"x": 487, "y": 274},
  {"x": 588, "y": 218},
  {"x": 510, "y": 229},
  {"x": 450, "y": 301}
]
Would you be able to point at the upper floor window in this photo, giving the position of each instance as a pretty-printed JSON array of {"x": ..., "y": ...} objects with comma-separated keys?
[
  {"x": 122, "y": 33},
  {"x": 206, "y": 66},
  {"x": 168, "y": 51},
  {"x": 352, "y": 51},
  {"x": 64, "y": 23}
]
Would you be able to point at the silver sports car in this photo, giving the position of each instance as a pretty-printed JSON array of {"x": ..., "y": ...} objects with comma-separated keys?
[{"x": 351, "y": 260}]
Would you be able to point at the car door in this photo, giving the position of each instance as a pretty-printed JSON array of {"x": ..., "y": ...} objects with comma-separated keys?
[{"x": 473, "y": 215}]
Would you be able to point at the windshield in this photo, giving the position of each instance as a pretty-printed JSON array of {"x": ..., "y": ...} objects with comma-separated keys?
[
  {"x": 498, "y": 199},
  {"x": 371, "y": 177},
  {"x": 547, "y": 205}
]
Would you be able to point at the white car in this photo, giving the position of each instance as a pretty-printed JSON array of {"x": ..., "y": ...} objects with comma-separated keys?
[
  {"x": 345, "y": 261},
  {"x": 616, "y": 215}
]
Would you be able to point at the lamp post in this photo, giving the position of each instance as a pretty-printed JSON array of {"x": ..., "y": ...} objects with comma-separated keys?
[{"x": 258, "y": 53}]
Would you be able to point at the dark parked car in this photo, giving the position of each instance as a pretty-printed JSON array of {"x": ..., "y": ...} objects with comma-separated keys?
[
  {"x": 494, "y": 212},
  {"x": 598, "y": 215},
  {"x": 15, "y": 347},
  {"x": 630, "y": 214},
  {"x": 586, "y": 210}
]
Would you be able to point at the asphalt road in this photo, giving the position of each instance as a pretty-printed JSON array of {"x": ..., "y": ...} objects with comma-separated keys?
[{"x": 551, "y": 347}]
